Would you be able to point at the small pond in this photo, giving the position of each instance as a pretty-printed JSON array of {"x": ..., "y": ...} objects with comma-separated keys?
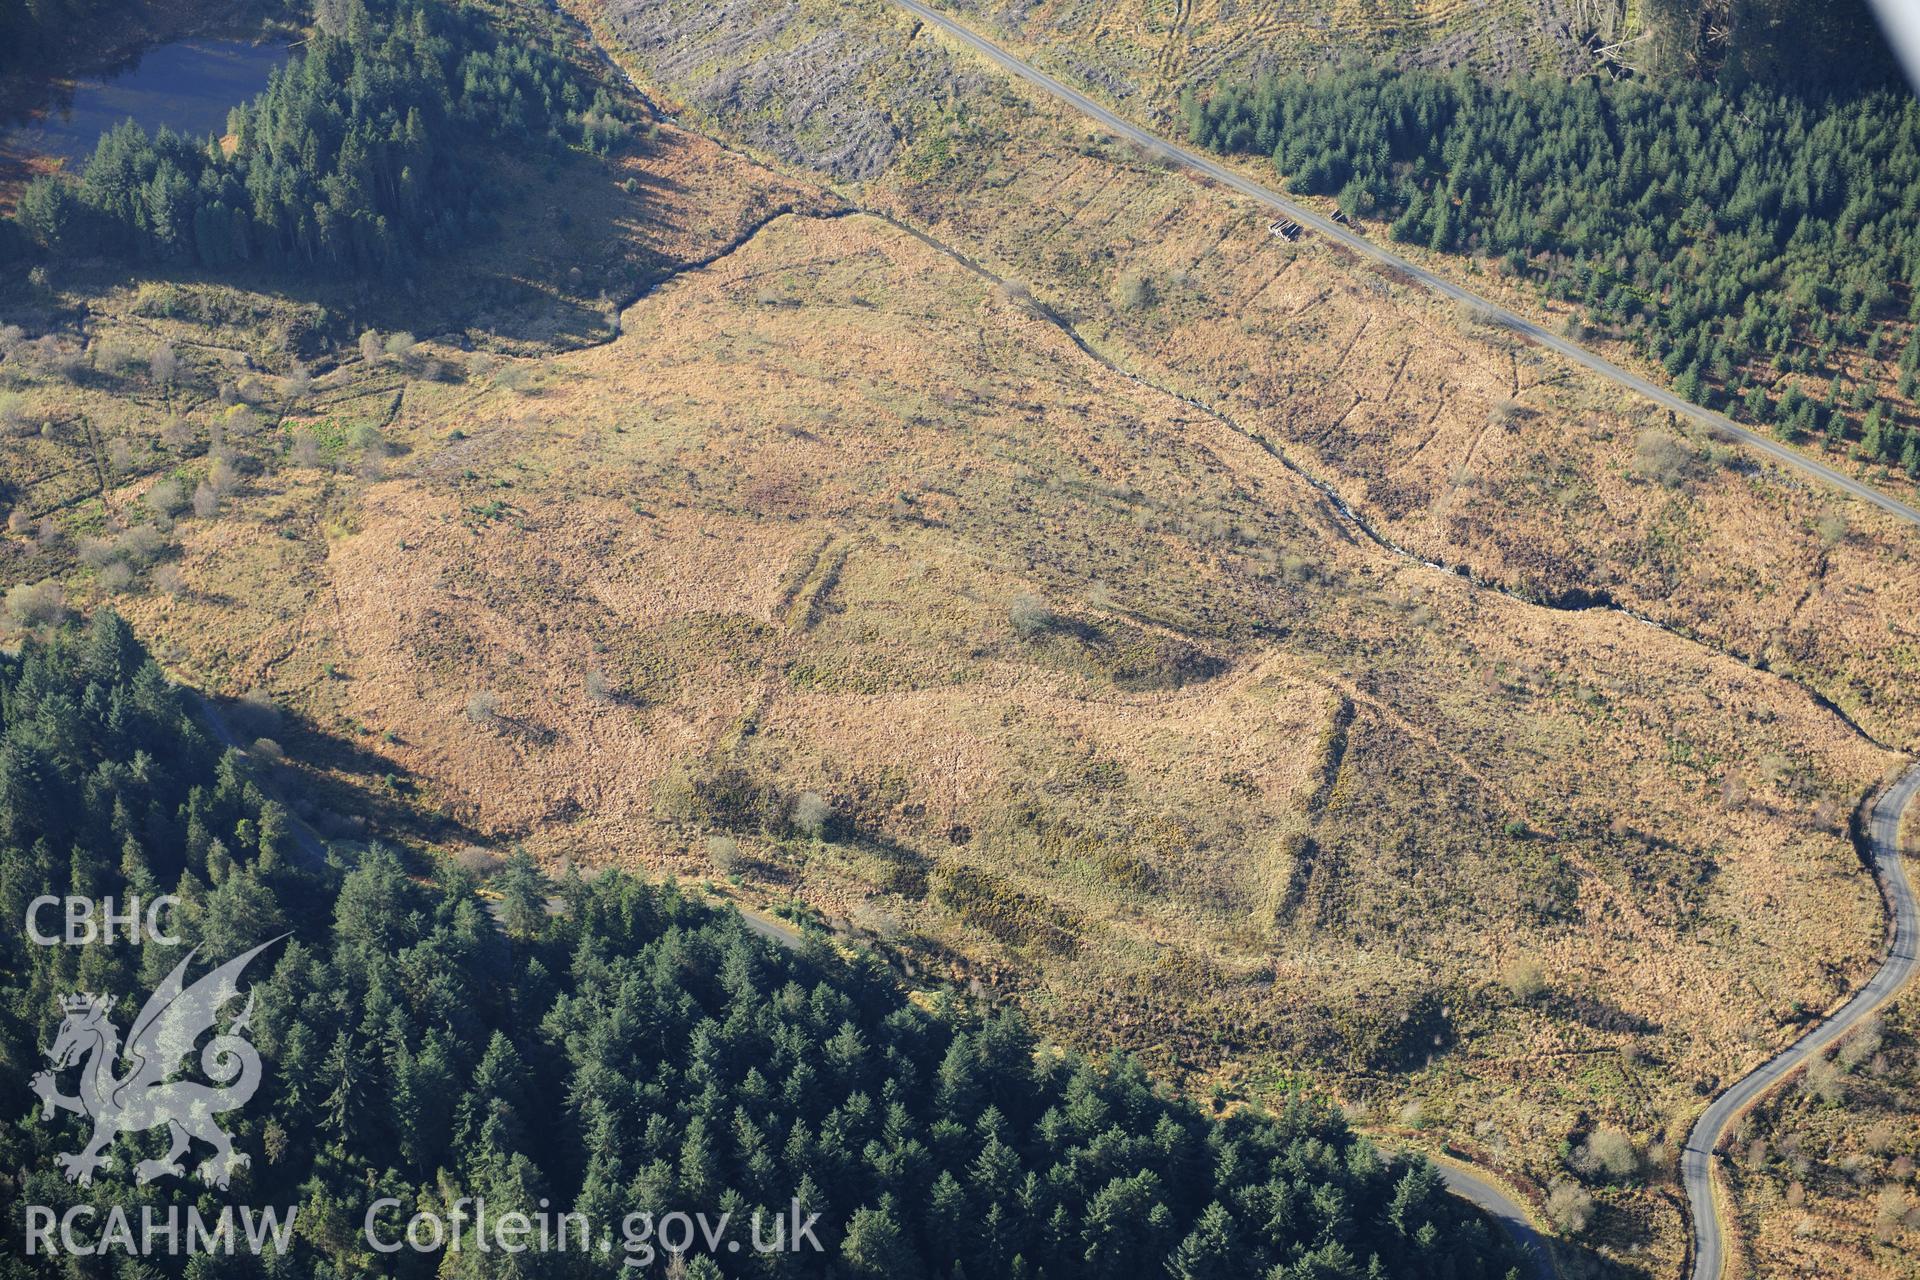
[{"x": 187, "y": 85}]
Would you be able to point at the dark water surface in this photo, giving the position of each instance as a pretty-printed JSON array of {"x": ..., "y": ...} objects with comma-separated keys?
[{"x": 187, "y": 85}]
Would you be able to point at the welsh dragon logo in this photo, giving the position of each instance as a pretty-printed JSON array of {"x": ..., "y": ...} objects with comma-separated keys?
[{"x": 174, "y": 1017}]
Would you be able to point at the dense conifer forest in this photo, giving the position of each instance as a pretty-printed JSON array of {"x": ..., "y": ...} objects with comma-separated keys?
[
  {"x": 1760, "y": 244},
  {"x": 373, "y": 145},
  {"x": 637, "y": 1051}
]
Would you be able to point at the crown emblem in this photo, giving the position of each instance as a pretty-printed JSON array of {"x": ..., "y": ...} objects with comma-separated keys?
[{"x": 130, "y": 1089}]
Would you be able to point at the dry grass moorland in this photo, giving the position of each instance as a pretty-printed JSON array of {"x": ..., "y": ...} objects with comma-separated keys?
[
  {"x": 1822, "y": 1174},
  {"x": 999, "y": 546}
]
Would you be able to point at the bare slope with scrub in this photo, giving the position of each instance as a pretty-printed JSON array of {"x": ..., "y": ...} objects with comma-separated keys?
[
  {"x": 1448, "y": 437},
  {"x": 1629, "y": 237},
  {"x": 845, "y": 573},
  {"x": 974, "y": 575},
  {"x": 1143, "y": 54},
  {"x": 1823, "y": 1175}
]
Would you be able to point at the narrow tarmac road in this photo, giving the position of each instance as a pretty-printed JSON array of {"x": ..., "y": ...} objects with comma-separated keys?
[
  {"x": 1883, "y": 827},
  {"x": 1696, "y": 1158},
  {"x": 1491, "y": 1199},
  {"x": 1361, "y": 245}
]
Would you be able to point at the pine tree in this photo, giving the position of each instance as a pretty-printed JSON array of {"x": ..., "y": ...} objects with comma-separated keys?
[
  {"x": 1209, "y": 1251},
  {"x": 343, "y": 1074},
  {"x": 112, "y": 654},
  {"x": 875, "y": 1246},
  {"x": 523, "y": 896},
  {"x": 1873, "y": 438}
]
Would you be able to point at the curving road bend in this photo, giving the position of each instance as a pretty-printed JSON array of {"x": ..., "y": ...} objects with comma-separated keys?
[
  {"x": 1508, "y": 1213},
  {"x": 1696, "y": 1158},
  {"x": 1366, "y": 248},
  {"x": 1883, "y": 827}
]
